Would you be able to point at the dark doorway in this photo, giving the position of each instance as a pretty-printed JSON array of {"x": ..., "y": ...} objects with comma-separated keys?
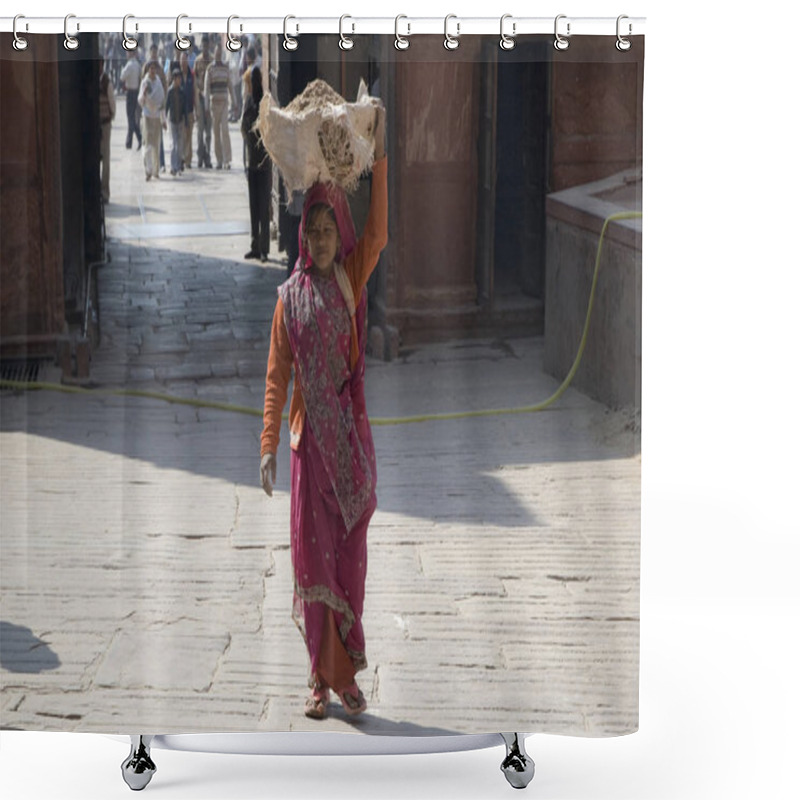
[
  {"x": 521, "y": 147},
  {"x": 82, "y": 211}
]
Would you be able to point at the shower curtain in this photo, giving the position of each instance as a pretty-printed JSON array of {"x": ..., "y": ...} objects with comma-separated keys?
[{"x": 148, "y": 582}]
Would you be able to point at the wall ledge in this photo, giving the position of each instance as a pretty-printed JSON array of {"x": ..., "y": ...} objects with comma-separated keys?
[{"x": 587, "y": 206}]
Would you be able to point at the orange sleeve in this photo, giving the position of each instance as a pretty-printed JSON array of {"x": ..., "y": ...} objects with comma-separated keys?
[
  {"x": 279, "y": 372},
  {"x": 364, "y": 258}
]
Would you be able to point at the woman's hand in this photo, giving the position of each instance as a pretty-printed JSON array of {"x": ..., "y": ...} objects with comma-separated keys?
[{"x": 269, "y": 466}]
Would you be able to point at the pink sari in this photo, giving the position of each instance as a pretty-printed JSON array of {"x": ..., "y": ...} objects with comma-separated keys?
[{"x": 333, "y": 467}]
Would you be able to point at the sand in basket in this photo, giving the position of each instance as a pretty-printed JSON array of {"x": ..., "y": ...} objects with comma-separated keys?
[{"x": 319, "y": 136}]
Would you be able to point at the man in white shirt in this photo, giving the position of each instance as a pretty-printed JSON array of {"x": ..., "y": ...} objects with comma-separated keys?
[
  {"x": 218, "y": 89},
  {"x": 131, "y": 78}
]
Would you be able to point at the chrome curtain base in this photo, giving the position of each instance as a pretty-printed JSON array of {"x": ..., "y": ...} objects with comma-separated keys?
[
  {"x": 138, "y": 768},
  {"x": 518, "y": 766}
]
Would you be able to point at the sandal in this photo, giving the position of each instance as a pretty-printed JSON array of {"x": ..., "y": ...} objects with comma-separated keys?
[
  {"x": 316, "y": 705},
  {"x": 353, "y": 700}
]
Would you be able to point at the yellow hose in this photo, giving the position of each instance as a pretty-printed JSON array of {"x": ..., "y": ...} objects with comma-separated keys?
[{"x": 486, "y": 412}]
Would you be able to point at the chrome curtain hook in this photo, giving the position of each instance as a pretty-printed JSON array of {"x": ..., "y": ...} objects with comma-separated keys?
[
  {"x": 451, "y": 42},
  {"x": 561, "y": 43},
  {"x": 507, "y": 42},
  {"x": 128, "y": 42},
  {"x": 181, "y": 42},
  {"x": 345, "y": 42},
  {"x": 288, "y": 42},
  {"x": 400, "y": 42},
  {"x": 234, "y": 43},
  {"x": 623, "y": 44},
  {"x": 70, "y": 42},
  {"x": 19, "y": 43}
]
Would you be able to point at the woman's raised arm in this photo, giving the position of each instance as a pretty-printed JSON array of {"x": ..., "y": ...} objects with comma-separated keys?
[{"x": 364, "y": 258}]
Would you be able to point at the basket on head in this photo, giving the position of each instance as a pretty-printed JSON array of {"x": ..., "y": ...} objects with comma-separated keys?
[{"x": 319, "y": 136}]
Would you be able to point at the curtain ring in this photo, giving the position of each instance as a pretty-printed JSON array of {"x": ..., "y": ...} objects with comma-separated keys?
[
  {"x": 345, "y": 42},
  {"x": 233, "y": 44},
  {"x": 70, "y": 42},
  {"x": 451, "y": 42},
  {"x": 128, "y": 42},
  {"x": 181, "y": 42},
  {"x": 288, "y": 42},
  {"x": 507, "y": 42},
  {"x": 19, "y": 43},
  {"x": 400, "y": 42},
  {"x": 561, "y": 43},
  {"x": 623, "y": 44}
]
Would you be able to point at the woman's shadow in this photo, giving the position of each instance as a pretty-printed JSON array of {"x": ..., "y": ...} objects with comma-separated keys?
[{"x": 379, "y": 726}]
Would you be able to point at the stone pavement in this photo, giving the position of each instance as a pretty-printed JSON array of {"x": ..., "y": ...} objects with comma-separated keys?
[{"x": 146, "y": 578}]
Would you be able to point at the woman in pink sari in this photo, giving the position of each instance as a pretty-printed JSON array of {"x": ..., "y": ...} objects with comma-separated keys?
[{"x": 319, "y": 329}]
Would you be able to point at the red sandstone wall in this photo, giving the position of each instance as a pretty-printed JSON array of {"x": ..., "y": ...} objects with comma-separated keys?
[
  {"x": 596, "y": 110},
  {"x": 31, "y": 282}
]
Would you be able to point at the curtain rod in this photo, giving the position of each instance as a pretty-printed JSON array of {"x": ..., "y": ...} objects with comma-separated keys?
[{"x": 295, "y": 25}]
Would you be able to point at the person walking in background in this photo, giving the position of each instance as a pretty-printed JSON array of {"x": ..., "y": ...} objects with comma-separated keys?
[
  {"x": 175, "y": 109},
  {"x": 187, "y": 87},
  {"x": 131, "y": 78},
  {"x": 248, "y": 62},
  {"x": 152, "y": 99},
  {"x": 251, "y": 60},
  {"x": 154, "y": 59},
  {"x": 109, "y": 58},
  {"x": 171, "y": 64},
  {"x": 202, "y": 112},
  {"x": 319, "y": 327},
  {"x": 235, "y": 62},
  {"x": 218, "y": 90},
  {"x": 259, "y": 172},
  {"x": 108, "y": 108}
]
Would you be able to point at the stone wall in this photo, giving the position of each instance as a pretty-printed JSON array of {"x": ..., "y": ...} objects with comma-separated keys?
[{"x": 610, "y": 368}]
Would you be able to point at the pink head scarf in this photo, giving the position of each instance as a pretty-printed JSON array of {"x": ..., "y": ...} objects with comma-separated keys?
[{"x": 333, "y": 196}]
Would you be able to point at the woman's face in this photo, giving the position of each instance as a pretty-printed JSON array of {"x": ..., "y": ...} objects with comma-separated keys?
[{"x": 322, "y": 238}]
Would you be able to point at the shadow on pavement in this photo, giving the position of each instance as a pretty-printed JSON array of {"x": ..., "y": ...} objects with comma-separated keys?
[
  {"x": 380, "y": 726},
  {"x": 114, "y": 210},
  {"x": 197, "y": 328},
  {"x": 22, "y": 651}
]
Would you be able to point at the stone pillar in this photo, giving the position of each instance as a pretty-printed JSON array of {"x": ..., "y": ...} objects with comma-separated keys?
[{"x": 431, "y": 258}]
